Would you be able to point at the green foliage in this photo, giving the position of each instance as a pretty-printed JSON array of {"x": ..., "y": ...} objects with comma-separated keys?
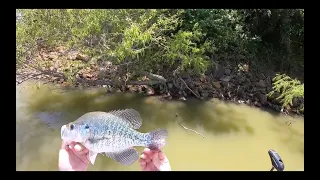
[
  {"x": 220, "y": 26},
  {"x": 182, "y": 47},
  {"x": 171, "y": 39},
  {"x": 289, "y": 89},
  {"x": 127, "y": 35},
  {"x": 281, "y": 31}
]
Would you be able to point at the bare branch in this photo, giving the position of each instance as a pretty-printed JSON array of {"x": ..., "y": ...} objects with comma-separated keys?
[
  {"x": 188, "y": 129},
  {"x": 189, "y": 88}
]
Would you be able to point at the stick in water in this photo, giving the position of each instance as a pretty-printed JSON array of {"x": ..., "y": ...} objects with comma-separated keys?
[{"x": 188, "y": 129}]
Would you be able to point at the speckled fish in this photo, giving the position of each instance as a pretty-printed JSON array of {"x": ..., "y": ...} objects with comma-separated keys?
[{"x": 113, "y": 134}]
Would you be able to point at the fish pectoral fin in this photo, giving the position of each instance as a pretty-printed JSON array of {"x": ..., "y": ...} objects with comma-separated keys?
[
  {"x": 125, "y": 157},
  {"x": 92, "y": 157},
  {"x": 129, "y": 116}
]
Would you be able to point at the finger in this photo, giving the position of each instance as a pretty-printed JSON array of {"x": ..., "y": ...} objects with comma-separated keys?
[
  {"x": 63, "y": 145},
  {"x": 161, "y": 156},
  {"x": 146, "y": 158},
  {"x": 141, "y": 160},
  {"x": 146, "y": 150},
  {"x": 143, "y": 156},
  {"x": 72, "y": 144},
  {"x": 67, "y": 145},
  {"x": 150, "y": 152},
  {"x": 79, "y": 152},
  {"x": 142, "y": 163},
  {"x": 63, "y": 153},
  {"x": 86, "y": 150},
  {"x": 143, "y": 166},
  {"x": 154, "y": 168},
  {"x": 161, "y": 162},
  {"x": 79, "y": 147}
]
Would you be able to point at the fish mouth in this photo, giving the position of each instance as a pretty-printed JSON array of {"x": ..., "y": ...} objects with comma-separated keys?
[{"x": 63, "y": 128}]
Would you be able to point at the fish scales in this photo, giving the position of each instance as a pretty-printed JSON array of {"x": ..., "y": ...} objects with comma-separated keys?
[
  {"x": 117, "y": 135},
  {"x": 113, "y": 134}
]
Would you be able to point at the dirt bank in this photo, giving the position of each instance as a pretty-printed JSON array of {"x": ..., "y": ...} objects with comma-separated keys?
[{"x": 225, "y": 82}]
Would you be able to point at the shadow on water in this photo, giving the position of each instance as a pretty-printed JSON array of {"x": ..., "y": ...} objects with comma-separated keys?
[
  {"x": 77, "y": 103},
  {"x": 293, "y": 136},
  {"x": 156, "y": 114},
  {"x": 40, "y": 120},
  {"x": 217, "y": 118}
]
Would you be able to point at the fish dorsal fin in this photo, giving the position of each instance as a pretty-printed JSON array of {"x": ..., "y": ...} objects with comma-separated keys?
[{"x": 130, "y": 116}]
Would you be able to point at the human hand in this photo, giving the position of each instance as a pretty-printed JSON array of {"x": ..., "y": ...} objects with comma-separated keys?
[
  {"x": 154, "y": 160},
  {"x": 73, "y": 157}
]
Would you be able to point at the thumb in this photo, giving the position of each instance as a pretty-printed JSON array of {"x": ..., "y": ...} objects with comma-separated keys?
[{"x": 161, "y": 161}]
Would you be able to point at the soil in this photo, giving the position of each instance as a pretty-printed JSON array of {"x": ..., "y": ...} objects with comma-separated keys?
[{"x": 225, "y": 82}]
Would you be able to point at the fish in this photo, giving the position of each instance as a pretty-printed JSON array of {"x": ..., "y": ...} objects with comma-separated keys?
[{"x": 113, "y": 134}]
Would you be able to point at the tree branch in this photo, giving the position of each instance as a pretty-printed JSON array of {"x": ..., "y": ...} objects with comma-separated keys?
[{"x": 188, "y": 87}]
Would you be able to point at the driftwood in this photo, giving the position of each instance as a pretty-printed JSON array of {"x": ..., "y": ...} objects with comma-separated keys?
[{"x": 188, "y": 129}]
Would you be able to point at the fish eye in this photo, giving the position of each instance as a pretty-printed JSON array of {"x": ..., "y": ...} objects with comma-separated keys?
[
  {"x": 71, "y": 127},
  {"x": 86, "y": 126}
]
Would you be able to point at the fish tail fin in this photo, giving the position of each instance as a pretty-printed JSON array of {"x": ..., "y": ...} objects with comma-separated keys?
[{"x": 157, "y": 139}]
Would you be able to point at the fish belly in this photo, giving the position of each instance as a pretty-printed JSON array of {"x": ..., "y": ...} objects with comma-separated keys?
[{"x": 118, "y": 142}]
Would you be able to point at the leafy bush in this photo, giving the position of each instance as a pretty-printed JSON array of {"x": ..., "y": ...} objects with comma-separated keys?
[
  {"x": 120, "y": 35},
  {"x": 288, "y": 88},
  {"x": 175, "y": 39}
]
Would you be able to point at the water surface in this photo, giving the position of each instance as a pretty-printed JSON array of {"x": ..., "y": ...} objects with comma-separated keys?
[{"x": 236, "y": 137}]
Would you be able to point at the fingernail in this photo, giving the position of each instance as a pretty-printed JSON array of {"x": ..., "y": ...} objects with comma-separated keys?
[
  {"x": 77, "y": 147},
  {"x": 143, "y": 156}
]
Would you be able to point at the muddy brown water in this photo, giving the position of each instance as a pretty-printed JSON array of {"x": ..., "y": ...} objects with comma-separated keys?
[{"x": 236, "y": 137}]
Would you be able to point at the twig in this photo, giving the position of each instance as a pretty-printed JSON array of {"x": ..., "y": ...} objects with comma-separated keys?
[
  {"x": 189, "y": 88},
  {"x": 289, "y": 122},
  {"x": 188, "y": 129}
]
